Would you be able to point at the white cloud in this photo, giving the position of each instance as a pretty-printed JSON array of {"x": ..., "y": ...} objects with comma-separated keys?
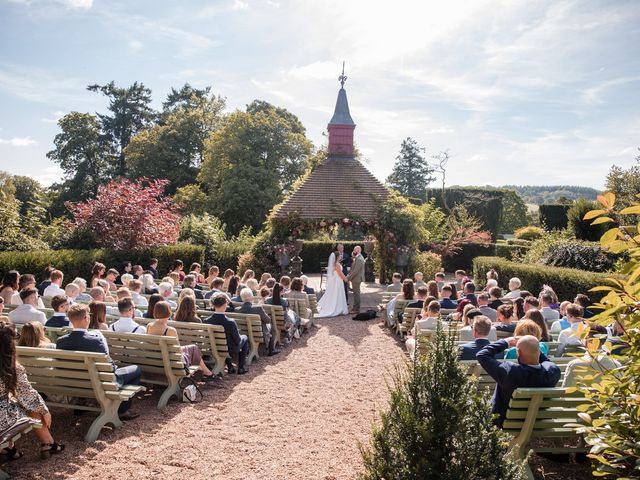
[
  {"x": 135, "y": 45},
  {"x": 57, "y": 115},
  {"x": 49, "y": 175},
  {"x": 73, "y": 4},
  {"x": 240, "y": 5},
  {"x": 18, "y": 141}
]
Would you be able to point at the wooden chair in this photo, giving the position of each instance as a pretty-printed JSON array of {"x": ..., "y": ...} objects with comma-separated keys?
[
  {"x": 78, "y": 374},
  {"x": 158, "y": 356},
  {"x": 13, "y": 434}
]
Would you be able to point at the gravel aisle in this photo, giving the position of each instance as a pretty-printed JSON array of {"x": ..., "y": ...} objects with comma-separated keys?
[{"x": 297, "y": 415}]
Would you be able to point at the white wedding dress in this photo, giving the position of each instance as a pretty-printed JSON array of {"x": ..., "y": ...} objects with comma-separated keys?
[{"x": 334, "y": 302}]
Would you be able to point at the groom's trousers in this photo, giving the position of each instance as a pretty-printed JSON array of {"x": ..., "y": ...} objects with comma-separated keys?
[{"x": 355, "y": 286}]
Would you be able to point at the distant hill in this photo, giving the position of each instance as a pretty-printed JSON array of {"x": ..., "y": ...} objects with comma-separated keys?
[{"x": 540, "y": 194}]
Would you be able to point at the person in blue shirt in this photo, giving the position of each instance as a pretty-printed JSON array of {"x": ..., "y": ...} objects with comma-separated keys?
[
  {"x": 60, "y": 305},
  {"x": 532, "y": 370}
]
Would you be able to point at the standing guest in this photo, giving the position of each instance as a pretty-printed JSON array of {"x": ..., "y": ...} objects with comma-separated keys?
[
  {"x": 549, "y": 314},
  {"x": 445, "y": 298},
  {"x": 126, "y": 268},
  {"x": 247, "y": 275},
  {"x": 26, "y": 281},
  {"x": 396, "y": 283},
  {"x": 190, "y": 282},
  {"x": 165, "y": 289},
  {"x": 110, "y": 278},
  {"x": 98, "y": 316},
  {"x": 10, "y": 285},
  {"x": 514, "y": 288},
  {"x": 153, "y": 299},
  {"x": 32, "y": 335},
  {"x": 80, "y": 339},
  {"x": 27, "y": 312},
  {"x": 532, "y": 370},
  {"x": 196, "y": 270},
  {"x": 505, "y": 319},
  {"x": 187, "y": 310},
  {"x": 248, "y": 307},
  {"x": 469, "y": 292},
  {"x": 439, "y": 279},
  {"x": 56, "y": 284},
  {"x": 149, "y": 286},
  {"x": 232, "y": 286},
  {"x": 214, "y": 271},
  {"x": 47, "y": 279},
  {"x": 494, "y": 297},
  {"x": 135, "y": 287},
  {"x": 153, "y": 267},
  {"x": 72, "y": 291},
  {"x": 527, "y": 327},
  {"x": 137, "y": 271},
  {"x": 125, "y": 323},
  {"x": 485, "y": 309},
  {"x": 60, "y": 305},
  {"x": 418, "y": 280},
  {"x": 481, "y": 329},
  {"x": 584, "y": 301},
  {"x": 570, "y": 336},
  {"x": 432, "y": 289},
  {"x": 537, "y": 317},
  {"x": 83, "y": 296},
  {"x": 305, "y": 285},
  {"x": 18, "y": 399},
  {"x": 97, "y": 272},
  {"x": 178, "y": 267},
  {"x": 237, "y": 344},
  {"x": 228, "y": 274}
]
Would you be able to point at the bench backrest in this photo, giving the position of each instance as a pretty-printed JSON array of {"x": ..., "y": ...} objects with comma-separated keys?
[
  {"x": 249, "y": 324},
  {"x": 276, "y": 313},
  {"x": 409, "y": 318},
  {"x": 299, "y": 306}
]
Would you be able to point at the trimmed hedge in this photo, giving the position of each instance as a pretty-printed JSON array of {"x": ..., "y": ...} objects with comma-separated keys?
[
  {"x": 566, "y": 282},
  {"x": 554, "y": 217},
  {"x": 78, "y": 263},
  {"x": 464, "y": 258},
  {"x": 315, "y": 252}
]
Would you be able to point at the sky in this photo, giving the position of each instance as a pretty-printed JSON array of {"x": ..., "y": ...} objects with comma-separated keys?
[{"x": 518, "y": 92}]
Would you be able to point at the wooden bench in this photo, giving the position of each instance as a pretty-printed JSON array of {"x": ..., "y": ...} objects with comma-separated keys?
[
  {"x": 251, "y": 326},
  {"x": 543, "y": 413},
  {"x": 52, "y": 333},
  {"x": 81, "y": 375},
  {"x": 313, "y": 303},
  {"x": 276, "y": 312},
  {"x": 156, "y": 355},
  {"x": 399, "y": 307},
  {"x": 301, "y": 308},
  {"x": 408, "y": 319},
  {"x": 486, "y": 381},
  {"x": 13, "y": 434}
]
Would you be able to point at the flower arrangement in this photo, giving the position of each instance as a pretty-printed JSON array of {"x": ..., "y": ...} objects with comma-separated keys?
[{"x": 283, "y": 249}]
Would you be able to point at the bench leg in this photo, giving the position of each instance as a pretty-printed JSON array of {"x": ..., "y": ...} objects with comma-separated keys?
[
  {"x": 171, "y": 390},
  {"x": 109, "y": 414}
]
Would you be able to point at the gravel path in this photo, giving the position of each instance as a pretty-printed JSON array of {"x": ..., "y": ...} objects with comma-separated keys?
[{"x": 298, "y": 415}]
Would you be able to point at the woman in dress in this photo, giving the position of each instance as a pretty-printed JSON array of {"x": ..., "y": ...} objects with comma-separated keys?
[
  {"x": 9, "y": 285},
  {"x": 334, "y": 301},
  {"x": 18, "y": 399}
]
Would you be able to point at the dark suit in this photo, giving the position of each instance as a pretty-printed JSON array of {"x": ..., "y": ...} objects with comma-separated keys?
[
  {"x": 198, "y": 293},
  {"x": 469, "y": 350},
  {"x": 236, "y": 343},
  {"x": 510, "y": 376},
  {"x": 58, "y": 321},
  {"x": 416, "y": 304},
  {"x": 93, "y": 341},
  {"x": 269, "y": 339},
  {"x": 472, "y": 298},
  {"x": 308, "y": 290},
  {"x": 43, "y": 285},
  {"x": 153, "y": 271}
]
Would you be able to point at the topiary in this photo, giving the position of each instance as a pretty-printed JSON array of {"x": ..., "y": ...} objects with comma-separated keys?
[
  {"x": 582, "y": 255},
  {"x": 529, "y": 233},
  {"x": 582, "y": 229}
]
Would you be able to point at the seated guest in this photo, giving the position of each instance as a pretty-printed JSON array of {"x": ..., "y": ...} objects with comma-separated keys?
[
  {"x": 584, "y": 301},
  {"x": 60, "y": 305},
  {"x": 125, "y": 323},
  {"x": 550, "y": 315},
  {"x": 125, "y": 278},
  {"x": 296, "y": 293},
  {"x": 97, "y": 294},
  {"x": 232, "y": 286},
  {"x": 469, "y": 292},
  {"x": 408, "y": 294},
  {"x": 165, "y": 289},
  {"x": 264, "y": 294},
  {"x": 178, "y": 268},
  {"x": 530, "y": 303},
  {"x": 305, "y": 288},
  {"x": 538, "y": 319},
  {"x": 191, "y": 354},
  {"x": 213, "y": 274},
  {"x": 216, "y": 286},
  {"x": 83, "y": 340},
  {"x": 72, "y": 291},
  {"x": 196, "y": 271},
  {"x": 149, "y": 286},
  {"x": 10, "y": 285},
  {"x": 276, "y": 297},
  {"x": 153, "y": 299},
  {"x": 514, "y": 288},
  {"x": 187, "y": 310},
  {"x": 429, "y": 318},
  {"x": 27, "y": 312},
  {"x": 47, "y": 280},
  {"x": 432, "y": 289},
  {"x": 137, "y": 271},
  {"x": 396, "y": 283},
  {"x": 135, "y": 287},
  {"x": 56, "y": 285},
  {"x": 32, "y": 335},
  {"x": 252, "y": 284},
  {"x": 518, "y": 307},
  {"x": 247, "y": 275},
  {"x": 126, "y": 269},
  {"x": 587, "y": 369},
  {"x": 110, "y": 278},
  {"x": 532, "y": 370},
  {"x": 97, "y": 273},
  {"x": 485, "y": 309},
  {"x": 439, "y": 279},
  {"x": 236, "y": 298},
  {"x": 153, "y": 267},
  {"x": 124, "y": 292},
  {"x": 98, "y": 316},
  {"x": 18, "y": 399},
  {"x": 236, "y": 343},
  {"x": 107, "y": 291},
  {"x": 271, "y": 282},
  {"x": 527, "y": 327},
  {"x": 460, "y": 275},
  {"x": 83, "y": 296},
  {"x": 26, "y": 281},
  {"x": 190, "y": 282},
  {"x": 248, "y": 307},
  {"x": 494, "y": 297},
  {"x": 418, "y": 280},
  {"x": 571, "y": 335},
  {"x": 421, "y": 294},
  {"x": 466, "y": 334},
  {"x": 481, "y": 329},
  {"x": 2, "y": 309},
  {"x": 285, "y": 282},
  {"x": 226, "y": 277},
  {"x": 264, "y": 277},
  {"x": 445, "y": 298},
  {"x": 562, "y": 323},
  {"x": 505, "y": 319}
]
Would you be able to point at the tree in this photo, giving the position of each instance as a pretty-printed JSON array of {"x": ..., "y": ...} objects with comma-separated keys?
[
  {"x": 13, "y": 235},
  {"x": 130, "y": 112},
  {"x": 624, "y": 183},
  {"x": 437, "y": 426},
  {"x": 411, "y": 173},
  {"x": 129, "y": 214},
  {"x": 514, "y": 212}
]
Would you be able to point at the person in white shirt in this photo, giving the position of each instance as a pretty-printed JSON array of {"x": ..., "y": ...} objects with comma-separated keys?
[
  {"x": 429, "y": 321},
  {"x": 466, "y": 334},
  {"x": 26, "y": 281},
  {"x": 485, "y": 309},
  {"x": 165, "y": 289},
  {"x": 72, "y": 291},
  {"x": 27, "y": 312},
  {"x": 570, "y": 336},
  {"x": 589, "y": 364},
  {"x": 562, "y": 322},
  {"x": 56, "y": 285},
  {"x": 126, "y": 323},
  {"x": 550, "y": 315},
  {"x": 514, "y": 288},
  {"x": 124, "y": 292},
  {"x": 125, "y": 278},
  {"x": 135, "y": 286}
]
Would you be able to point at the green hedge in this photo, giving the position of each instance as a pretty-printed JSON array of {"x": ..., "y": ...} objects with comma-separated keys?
[
  {"x": 315, "y": 252},
  {"x": 464, "y": 258},
  {"x": 78, "y": 263},
  {"x": 485, "y": 204},
  {"x": 566, "y": 282},
  {"x": 554, "y": 217}
]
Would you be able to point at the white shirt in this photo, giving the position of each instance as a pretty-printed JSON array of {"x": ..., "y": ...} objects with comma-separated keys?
[
  {"x": 466, "y": 334},
  {"x": 549, "y": 314},
  {"x": 600, "y": 364},
  {"x": 27, "y": 313},
  {"x": 16, "y": 300},
  {"x": 139, "y": 300},
  {"x": 52, "y": 290},
  {"x": 569, "y": 336},
  {"x": 513, "y": 294},
  {"x": 428, "y": 323},
  {"x": 127, "y": 325}
]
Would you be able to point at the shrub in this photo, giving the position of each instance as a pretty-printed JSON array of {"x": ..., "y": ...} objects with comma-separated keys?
[
  {"x": 554, "y": 217},
  {"x": 582, "y": 255},
  {"x": 78, "y": 263},
  {"x": 566, "y": 282},
  {"x": 582, "y": 229},
  {"x": 510, "y": 252},
  {"x": 463, "y": 259},
  {"x": 529, "y": 233},
  {"x": 437, "y": 425},
  {"x": 428, "y": 263},
  {"x": 520, "y": 242}
]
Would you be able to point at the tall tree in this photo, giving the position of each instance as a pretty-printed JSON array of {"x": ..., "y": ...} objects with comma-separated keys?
[
  {"x": 411, "y": 173},
  {"x": 28, "y": 192},
  {"x": 624, "y": 183},
  {"x": 514, "y": 212},
  {"x": 130, "y": 112}
]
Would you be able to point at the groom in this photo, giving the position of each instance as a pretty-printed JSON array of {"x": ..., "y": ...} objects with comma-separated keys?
[{"x": 356, "y": 277}]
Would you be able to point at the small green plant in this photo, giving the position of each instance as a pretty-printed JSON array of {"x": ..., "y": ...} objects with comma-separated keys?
[{"x": 529, "y": 233}]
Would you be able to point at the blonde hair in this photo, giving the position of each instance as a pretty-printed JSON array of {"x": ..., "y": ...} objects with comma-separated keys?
[
  {"x": 527, "y": 327},
  {"x": 186, "y": 292},
  {"x": 32, "y": 335}
]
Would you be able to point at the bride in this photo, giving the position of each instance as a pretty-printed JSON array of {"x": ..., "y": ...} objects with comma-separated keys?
[{"x": 334, "y": 302}]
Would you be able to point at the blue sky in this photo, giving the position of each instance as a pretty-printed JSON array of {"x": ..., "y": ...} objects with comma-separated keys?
[{"x": 543, "y": 92}]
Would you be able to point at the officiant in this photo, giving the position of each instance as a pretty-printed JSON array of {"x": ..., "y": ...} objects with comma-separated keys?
[{"x": 345, "y": 261}]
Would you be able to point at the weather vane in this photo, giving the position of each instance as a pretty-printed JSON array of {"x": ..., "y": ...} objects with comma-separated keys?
[{"x": 342, "y": 78}]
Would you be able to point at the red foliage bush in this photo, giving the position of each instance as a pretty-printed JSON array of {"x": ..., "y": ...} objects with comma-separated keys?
[{"x": 129, "y": 214}]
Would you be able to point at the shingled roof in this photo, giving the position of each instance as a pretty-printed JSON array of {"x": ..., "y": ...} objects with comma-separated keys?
[{"x": 339, "y": 186}]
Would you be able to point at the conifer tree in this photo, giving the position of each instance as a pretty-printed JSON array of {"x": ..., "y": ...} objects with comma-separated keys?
[
  {"x": 411, "y": 173},
  {"x": 438, "y": 426}
]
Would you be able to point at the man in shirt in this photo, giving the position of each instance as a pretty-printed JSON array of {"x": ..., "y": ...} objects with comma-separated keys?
[
  {"x": 236, "y": 343},
  {"x": 485, "y": 309},
  {"x": 396, "y": 284},
  {"x": 83, "y": 296},
  {"x": 570, "y": 336},
  {"x": 135, "y": 288},
  {"x": 550, "y": 315},
  {"x": 72, "y": 291},
  {"x": 532, "y": 370},
  {"x": 248, "y": 307},
  {"x": 125, "y": 323},
  {"x": 153, "y": 267},
  {"x": 60, "y": 305},
  {"x": 26, "y": 281},
  {"x": 27, "y": 312},
  {"x": 469, "y": 291},
  {"x": 216, "y": 286},
  {"x": 80, "y": 339},
  {"x": 165, "y": 289},
  {"x": 47, "y": 280},
  {"x": 56, "y": 285}
]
